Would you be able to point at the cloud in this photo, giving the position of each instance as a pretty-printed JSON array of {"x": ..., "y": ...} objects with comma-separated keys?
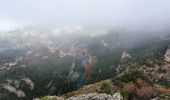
[
  {"x": 6, "y": 25},
  {"x": 86, "y": 12}
]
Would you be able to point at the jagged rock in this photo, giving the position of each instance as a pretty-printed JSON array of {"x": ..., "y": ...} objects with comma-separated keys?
[
  {"x": 12, "y": 89},
  {"x": 125, "y": 55},
  {"x": 163, "y": 97},
  {"x": 167, "y": 55},
  {"x": 50, "y": 98},
  {"x": 16, "y": 83},
  {"x": 97, "y": 96},
  {"x": 20, "y": 93},
  {"x": 9, "y": 81},
  {"x": 54, "y": 97},
  {"x": 117, "y": 96},
  {"x": 36, "y": 99},
  {"x": 29, "y": 82}
]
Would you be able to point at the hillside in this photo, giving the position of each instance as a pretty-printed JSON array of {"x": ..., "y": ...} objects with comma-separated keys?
[
  {"x": 42, "y": 65},
  {"x": 129, "y": 85},
  {"x": 138, "y": 88}
]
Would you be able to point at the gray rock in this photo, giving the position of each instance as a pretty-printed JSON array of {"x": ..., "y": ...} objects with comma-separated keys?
[{"x": 97, "y": 96}]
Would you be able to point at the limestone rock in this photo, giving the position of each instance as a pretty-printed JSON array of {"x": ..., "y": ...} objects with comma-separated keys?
[
  {"x": 167, "y": 55},
  {"x": 97, "y": 96},
  {"x": 125, "y": 55}
]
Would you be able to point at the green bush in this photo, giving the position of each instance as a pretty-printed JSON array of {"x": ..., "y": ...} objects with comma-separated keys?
[
  {"x": 130, "y": 76},
  {"x": 107, "y": 88},
  {"x": 133, "y": 75}
]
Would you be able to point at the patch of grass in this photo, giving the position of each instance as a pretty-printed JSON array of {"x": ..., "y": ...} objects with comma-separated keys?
[
  {"x": 48, "y": 98},
  {"x": 93, "y": 88},
  {"x": 86, "y": 89}
]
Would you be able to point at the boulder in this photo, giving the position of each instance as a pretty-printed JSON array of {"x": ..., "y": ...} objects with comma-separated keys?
[{"x": 167, "y": 55}]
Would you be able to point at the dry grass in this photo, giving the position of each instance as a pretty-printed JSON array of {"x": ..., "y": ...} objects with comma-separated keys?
[{"x": 93, "y": 88}]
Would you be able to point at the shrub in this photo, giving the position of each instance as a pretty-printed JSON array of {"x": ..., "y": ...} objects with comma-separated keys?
[
  {"x": 129, "y": 90},
  {"x": 141, "y": 83},
  {"x": 133, "y": 75},
  {"x": 140, "y": 90},
  {"x": 159, "y": 90},
  {"x": 145, "y": 93},
  {"x": 107, "y": 88}
]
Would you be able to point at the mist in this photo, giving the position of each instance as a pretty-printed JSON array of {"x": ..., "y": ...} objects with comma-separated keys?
[
  {"x": 84, "y": 49},
  {"x": 57, "y": 13}
]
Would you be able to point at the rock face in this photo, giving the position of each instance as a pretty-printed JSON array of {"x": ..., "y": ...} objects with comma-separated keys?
[
  {"x": 12, "y": 89},
  {"x": 167, "y": 55},
  {"x": 96, "y": 96},
  {"x": 125, "y": 55},
  {"x": 29, "y": 82},
  {"x": 162, "y": 97},
  {"x": 117, "y": 96},
  {"x": 50, "y": 98}
]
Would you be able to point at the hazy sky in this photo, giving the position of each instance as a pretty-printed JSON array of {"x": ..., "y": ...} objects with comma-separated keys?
[{"x": 15, "y": 13}]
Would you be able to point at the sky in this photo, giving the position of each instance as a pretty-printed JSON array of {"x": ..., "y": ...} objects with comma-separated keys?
[{"x": 19, "y": 13}]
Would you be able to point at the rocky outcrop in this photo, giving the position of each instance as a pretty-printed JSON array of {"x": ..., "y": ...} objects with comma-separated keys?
[
  {"x": 167, "y": 55},
  {"x": 104, "y": 43},
  {"x": 125, "y": 55},
  {"x": 90, "y": 96},
  {"x": 12, "y": 89},
  {"x": 163, "y": 97},
  {"x": 13, "y": 86},
  {"x": 50, "y": 98},
  {"x": 117, "y": 96},
  {"x": 97, "y": 96},
  {"x": 29, "y": 82}
]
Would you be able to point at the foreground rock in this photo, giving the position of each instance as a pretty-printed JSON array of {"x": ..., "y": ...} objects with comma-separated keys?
[
  {"x": 50, "y": 98},
  {"x": 12, "y": 89},
  {"x": 90, "y": 96},
  {"x": 163, "y": 97},
  {"x": 96, "y": 96},
  {"x": 167, "y": 55}
]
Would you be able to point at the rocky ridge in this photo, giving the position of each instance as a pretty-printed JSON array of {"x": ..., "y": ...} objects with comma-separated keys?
[{"x": 90, "y": 96}]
